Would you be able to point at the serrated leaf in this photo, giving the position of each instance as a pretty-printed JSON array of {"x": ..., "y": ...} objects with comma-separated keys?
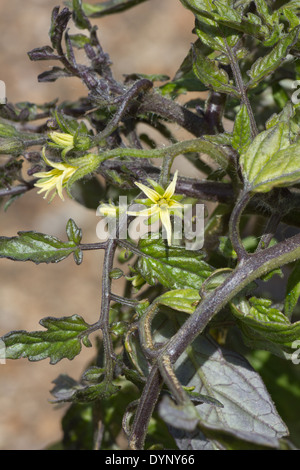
[
  {"x": 264, "y": 327},
  {"x": 211, "y": 75},
  {"x": 283, "y": 169},
  {"x": 264, "y": 66},
  {"x": 173, "y": 267},
  {"x": 36, "y": 247},
  {"x": 248, "y": 413},
  {"x": 264, "y": 12},
  {"x": 291, "y": 17},
  {"x": 73, "y": 232},
  {"x": 262, "y": 155},
  {"x": 80, "y": 393},
  {"x": 226, "y": 12},
  {"x": 183, "y": 300},
  {"x": 227, "y": 17},
  {"x": 60, "y": 340},
  {"x": 241, "y": 136},
  {"x": 292, "y": 291},
  {"x": 213, "y": 37}
]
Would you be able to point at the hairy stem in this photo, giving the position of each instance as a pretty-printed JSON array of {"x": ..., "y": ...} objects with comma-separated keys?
[
  {"x": 234, "y": 224},
  {"x": 255, "y": 266},
  {"x": 252, "y": 268},
  {"x": 105, "y": 303},
  {"x": 186, "y": 146},
  {"x": 242, "y": 89},
  {"x": 145, "y": 409}
]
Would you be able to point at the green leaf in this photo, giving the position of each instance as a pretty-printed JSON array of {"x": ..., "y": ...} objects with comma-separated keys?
[
  {"x": 79, "y": 16},
  {"x": 292, "y": 291},
  {"x": 116, "y": 273},
  {"x": 79, "y": 40},
  {"x": 60, "y": 340},
  {"x": 213, "y": 36},
  {"x": 73, "y": 232},
  {"x": 7, "y": 130},
  {"x": 173, "y": 267},
  {"x": 228, "y": 17},
  {"x": 209, "y": 73},
  {"x": 84, "y": 393},
  {"x": 107, "y": 7},
  {"x": 226, "y": 12},
  {"x": 36, "y": 247},
  {"x": 78, "y": 427},
  {"x": 291, "y": 17},
  {"x": 183, "y": 300},
  {"x": 263, "y": 10},
  {"x": 264, "y": 327},
  {"x": 241, "y": 136},
  {"x": 227, "y": 377},
  {"x": 265, "y": 164},
  {"x": 283, "y": 169},
  {"x": 264, "y": 66}
]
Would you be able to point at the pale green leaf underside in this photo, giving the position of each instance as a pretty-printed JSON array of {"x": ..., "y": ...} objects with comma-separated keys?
[
  {"x": 283, "y": 169},
  {"x": 248, "y": 412},
  {"x": 183, "y": 300},
  {"x": 270, "y": 160}
]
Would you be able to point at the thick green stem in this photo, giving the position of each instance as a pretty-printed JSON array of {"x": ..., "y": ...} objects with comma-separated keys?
[{"x": 186, "y": 146}]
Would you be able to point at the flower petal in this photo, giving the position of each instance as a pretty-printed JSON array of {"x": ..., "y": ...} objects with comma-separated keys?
[
  {"x": 150, "y": 193},
  {"x": 175, "y": 204},
  {"x": 166, "y": 221},
  {"x": 145, "y": 213},
  {"x": 171, "y": 188}
]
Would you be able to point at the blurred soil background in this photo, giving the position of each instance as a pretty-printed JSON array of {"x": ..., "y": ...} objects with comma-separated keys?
[{"x": 154, "y": 37}]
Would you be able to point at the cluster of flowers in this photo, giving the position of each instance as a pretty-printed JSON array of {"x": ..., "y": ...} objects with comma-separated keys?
[{"x": 160, "y": 202}]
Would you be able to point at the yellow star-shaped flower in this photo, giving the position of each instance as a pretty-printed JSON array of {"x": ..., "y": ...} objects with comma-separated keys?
[
  {"x": 62, "y": 141},
  {"x": 56, "y": 179},
  {"x": 162, "y": 203}
]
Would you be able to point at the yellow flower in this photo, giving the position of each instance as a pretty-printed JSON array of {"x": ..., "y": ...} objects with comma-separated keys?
[
  {"x": 62, "y": 141},
  {"x": 162, "y": 203},
  {"x": 55, "y": 179},
  {"x": 108, "y": 210}
]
